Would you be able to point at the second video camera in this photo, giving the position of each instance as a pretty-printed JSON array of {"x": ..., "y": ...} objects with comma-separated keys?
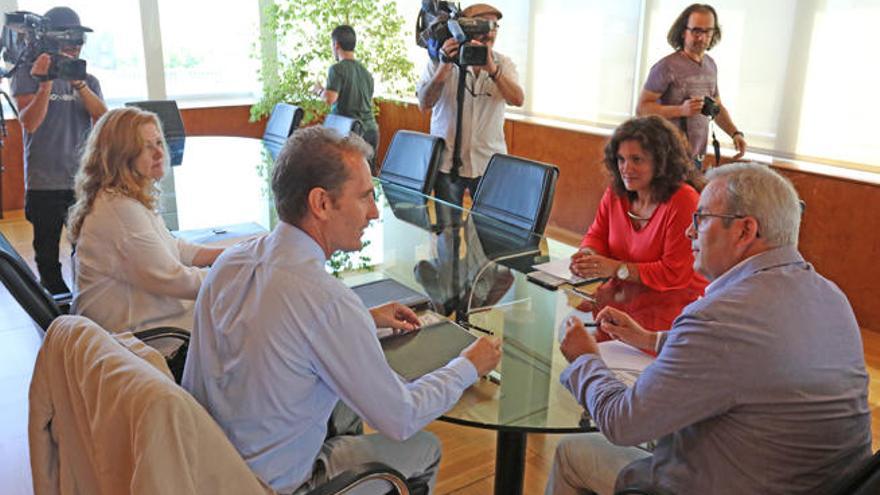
[
  {"x": 27, "y": 35},
  {"x": 438, "y": 21}
]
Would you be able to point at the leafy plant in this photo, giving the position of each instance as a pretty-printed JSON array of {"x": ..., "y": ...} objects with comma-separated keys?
[
  {"x": 301, "y": 30},
  {"x": 341, "y": 261}
]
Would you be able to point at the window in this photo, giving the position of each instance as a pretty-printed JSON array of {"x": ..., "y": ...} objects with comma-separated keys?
[
  {"x": 113, "y": 54},
  {"x": 210, "y": 48}
]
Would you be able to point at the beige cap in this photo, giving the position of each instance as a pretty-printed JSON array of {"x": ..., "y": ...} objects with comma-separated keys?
[{"x": 479, "y": 9}]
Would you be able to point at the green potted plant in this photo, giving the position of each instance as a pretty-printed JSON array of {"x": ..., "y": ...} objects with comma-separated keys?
[{"x": 301, "y": 32}]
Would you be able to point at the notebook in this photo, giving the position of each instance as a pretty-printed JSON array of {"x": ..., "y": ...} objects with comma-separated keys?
[
  {"x": 388, "y": 290},
  {"x": 414, "y": 354}
]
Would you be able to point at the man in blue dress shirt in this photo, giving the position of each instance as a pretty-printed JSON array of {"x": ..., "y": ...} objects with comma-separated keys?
[
  {"x": 759, "y": 387},
  {"x": 278, "y": 341}
]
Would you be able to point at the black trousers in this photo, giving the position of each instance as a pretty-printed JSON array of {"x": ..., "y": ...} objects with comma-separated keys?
[
  {"x": 372, "y": 138},
  {"x": 47, "y": 212}
]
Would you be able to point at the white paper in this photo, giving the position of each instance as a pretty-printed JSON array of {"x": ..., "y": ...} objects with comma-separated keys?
[
  {"x": 559, "y": 269},
  {"x": 626, "y": 361}
]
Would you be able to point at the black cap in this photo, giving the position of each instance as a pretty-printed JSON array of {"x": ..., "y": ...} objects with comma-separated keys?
[{"x": 65, "y": 19}]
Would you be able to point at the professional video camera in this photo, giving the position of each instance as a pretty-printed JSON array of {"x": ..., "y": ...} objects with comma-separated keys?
[
  {"x": 27, "y": 35},
  {"x": 438, "y": 21}
]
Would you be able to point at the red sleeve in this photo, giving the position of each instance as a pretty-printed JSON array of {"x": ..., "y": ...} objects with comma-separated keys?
[
  {"x": 596, "y": 237},
  {"x": 675, "y": 268}
]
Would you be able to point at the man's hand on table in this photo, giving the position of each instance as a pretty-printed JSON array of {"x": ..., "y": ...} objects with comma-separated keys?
[
  {"x": 485, "y": 354},
  {"x": 395, "y": 315},
  {"x": 622, "y": 327}
]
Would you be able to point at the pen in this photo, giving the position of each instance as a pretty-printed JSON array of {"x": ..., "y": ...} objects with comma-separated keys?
[
  {"x": 588, "y": 324},
  {"x": 471, "y": 326},
  {"x": 583, "y": 295}
]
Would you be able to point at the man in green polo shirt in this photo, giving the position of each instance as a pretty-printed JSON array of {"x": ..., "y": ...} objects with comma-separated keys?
[{"x": 349, "y": 89}]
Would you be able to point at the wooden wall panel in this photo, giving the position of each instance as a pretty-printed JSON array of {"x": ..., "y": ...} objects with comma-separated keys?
[
  {"x": 13, "y": 168},
  {"x": 582, "y": 177},
  {"x": 221, "y": 121},
  {"x": 840, "y": 235}
]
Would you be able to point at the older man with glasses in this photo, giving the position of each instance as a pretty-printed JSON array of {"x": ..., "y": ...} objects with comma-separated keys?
[
  {"x": 678, "y": 83},
  {"x": 759, "y": 387}
]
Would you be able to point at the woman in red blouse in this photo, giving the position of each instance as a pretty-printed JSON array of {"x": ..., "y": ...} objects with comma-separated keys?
[{"x": 638, "y": 233}]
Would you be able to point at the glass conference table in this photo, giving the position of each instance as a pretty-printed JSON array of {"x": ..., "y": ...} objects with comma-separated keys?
[{"x": 470, "y": 266}]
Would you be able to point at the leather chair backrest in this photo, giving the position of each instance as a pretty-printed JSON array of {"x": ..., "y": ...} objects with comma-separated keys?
[
  {"x": 864, "y": 481},
  {"x": 284, "y": 120},
  {"x": 517, "y": 192},
  {"x": 169, "y": 116},
  {"x": 344, "y": 125},
  {"x": 412, "y": 160},
  {"x": 24, "y": 287}
]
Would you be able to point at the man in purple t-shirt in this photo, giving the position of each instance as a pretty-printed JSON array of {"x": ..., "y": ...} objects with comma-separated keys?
[{"x": 678, "y": 83}]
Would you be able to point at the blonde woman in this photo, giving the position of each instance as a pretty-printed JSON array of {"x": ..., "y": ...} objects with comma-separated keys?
[{"x": 131, "y": 273}]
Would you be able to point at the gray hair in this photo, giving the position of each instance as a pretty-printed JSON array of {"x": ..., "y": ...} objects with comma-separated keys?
[
  {"x": 756, "y": 190},
  {"x": 312, "y": 157}
]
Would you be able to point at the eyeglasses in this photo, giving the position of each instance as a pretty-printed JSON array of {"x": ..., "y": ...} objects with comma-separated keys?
[
  {"x": 700, "y": 31},
  {"x": 698, "y": 217}
]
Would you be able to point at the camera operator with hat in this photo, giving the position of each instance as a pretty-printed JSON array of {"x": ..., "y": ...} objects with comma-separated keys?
[
  {"x": 679, "y": 83},
  {"x": 56, "y": 116},
  {"x": 490, "y": 87}
]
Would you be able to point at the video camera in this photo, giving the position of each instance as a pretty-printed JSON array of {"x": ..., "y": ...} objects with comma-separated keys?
[
  {"x": 27, "y": 35},
  {"x": 438, "y": 21}
]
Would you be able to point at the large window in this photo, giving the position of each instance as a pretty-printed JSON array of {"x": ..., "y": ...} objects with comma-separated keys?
[
  {"x": 207, "y": 47},
  {"x": 114, "y": 52}
]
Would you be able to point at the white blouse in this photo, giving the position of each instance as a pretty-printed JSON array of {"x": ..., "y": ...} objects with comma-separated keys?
[{"x": 131, "y": 273}]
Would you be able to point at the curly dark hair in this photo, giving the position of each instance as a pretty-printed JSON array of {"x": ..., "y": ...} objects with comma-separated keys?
[
  {"x": 669, "y": 152},
  {"x": 675, "y": 37}
]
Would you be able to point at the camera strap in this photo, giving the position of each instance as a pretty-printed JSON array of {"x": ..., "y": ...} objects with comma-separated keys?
[{"x": 715, "y": 145}]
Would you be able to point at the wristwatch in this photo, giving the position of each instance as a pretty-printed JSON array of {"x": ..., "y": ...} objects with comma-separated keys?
[{"x": 622, "y": 272}]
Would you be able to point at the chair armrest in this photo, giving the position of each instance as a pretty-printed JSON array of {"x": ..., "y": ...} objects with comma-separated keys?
[
  {"x": 361, "y": 474},
  {"x": 176, "y": 360},
  {"x": 633, "y": 491},
  {"x": 63, "y": 301},
  {"x": 162, "y": 333}
]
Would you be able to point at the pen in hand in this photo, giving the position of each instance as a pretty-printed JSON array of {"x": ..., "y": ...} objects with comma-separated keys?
[{"x": 471, "y": 326}]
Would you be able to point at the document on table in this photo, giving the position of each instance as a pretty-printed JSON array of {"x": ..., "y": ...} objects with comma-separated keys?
[
  {"x": 222, "y": 236},
  {"x": 624, "y": 360},
  {"x": 560, "y": 269}
]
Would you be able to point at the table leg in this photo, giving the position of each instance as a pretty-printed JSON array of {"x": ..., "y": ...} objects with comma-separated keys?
[{"x": 510, "y": 457}]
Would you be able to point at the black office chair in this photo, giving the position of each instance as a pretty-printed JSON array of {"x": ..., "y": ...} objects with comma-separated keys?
[
  {"x": 517, "y": 192},
  {"x": 18, "y": 278},
  {"x": 284, "y": 120},
  {"x": 412, "y": 160},
  {"x": 343, "y": 125},
  {"x": 865, "y": 481},
  {"x": 43, "y": 307},
  {"x": 169, "y": 116},
  {"x": 172, "y": 125}
]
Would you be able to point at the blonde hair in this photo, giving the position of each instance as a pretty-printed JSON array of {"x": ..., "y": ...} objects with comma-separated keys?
[{"x": 108, "y": 164}]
